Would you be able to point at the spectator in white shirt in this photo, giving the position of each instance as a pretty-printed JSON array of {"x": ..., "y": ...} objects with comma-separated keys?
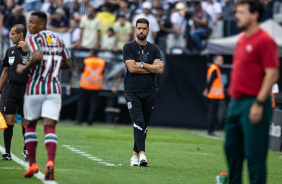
[
  {"x": 108, "y": 40},
  {"x": 75, "y": 33},
  {"x": 153, "y": 26},
  {"x": 213, "y": 9}
]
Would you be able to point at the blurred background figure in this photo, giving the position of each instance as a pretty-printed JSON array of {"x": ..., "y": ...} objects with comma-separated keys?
[
  {"x": 214, "y": 91},
  {"x": 108, "y": 40},
  {"x": 122, "y": 29},
  {"x": 74, "y": 31},
  {"x": 91, "y": 83},
  {"x": 90, "y": 30},
  {"x": 165, "y": 28},
  {"x": 59, "y": 21}
]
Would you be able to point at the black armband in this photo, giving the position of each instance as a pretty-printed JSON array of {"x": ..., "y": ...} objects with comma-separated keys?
[{"x": 259, "y": 102}]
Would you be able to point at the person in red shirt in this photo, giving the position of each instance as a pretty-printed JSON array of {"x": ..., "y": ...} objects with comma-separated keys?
[{"x": 255, "y": 70}]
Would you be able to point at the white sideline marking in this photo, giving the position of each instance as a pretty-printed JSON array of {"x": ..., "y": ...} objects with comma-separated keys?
[
  {"x": 39, "y": 175},
  {"x": 10, "y": 168},
  {"x": 100, "y": 161}
]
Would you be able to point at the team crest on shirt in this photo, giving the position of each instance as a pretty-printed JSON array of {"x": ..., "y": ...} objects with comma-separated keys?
[
  {"x": 129, "y": 105},
  {"x": 24, "y": 60},
  {"x": 249, "y": 48},
  {"x": 11, "y": 60}
]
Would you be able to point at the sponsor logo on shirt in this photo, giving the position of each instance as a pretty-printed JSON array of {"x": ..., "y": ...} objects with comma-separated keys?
[
  {"x": 249, "y": 48},
  {"x": 11, "y": 60}
]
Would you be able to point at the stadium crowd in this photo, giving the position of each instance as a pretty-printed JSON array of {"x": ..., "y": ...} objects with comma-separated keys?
[{"x": 107, "y": 24}]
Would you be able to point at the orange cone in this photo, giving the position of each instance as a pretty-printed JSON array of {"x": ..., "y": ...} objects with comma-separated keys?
[{"x": 3, "y": 124}]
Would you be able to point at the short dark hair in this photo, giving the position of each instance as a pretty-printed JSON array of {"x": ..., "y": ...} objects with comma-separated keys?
[
  {"x": 254, "y": 6},
  {"x": 20, "y": 28},
  {"x": 142, "y": 21},
  {"x": 40, "y": 15}
]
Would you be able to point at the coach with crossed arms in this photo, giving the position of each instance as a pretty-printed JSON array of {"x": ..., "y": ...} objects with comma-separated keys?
[{"x": 142, "y": 60}]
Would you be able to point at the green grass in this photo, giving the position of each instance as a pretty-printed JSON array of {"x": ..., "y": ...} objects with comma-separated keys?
[{"x": 174, "y": 156}]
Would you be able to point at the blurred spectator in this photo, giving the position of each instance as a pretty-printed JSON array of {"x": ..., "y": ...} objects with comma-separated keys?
[
  {"x": 124, "y": 10},
  {"x": 49, "y": 7},
  {"x": 60, "y": 4},
  {"x": 153, "y": 23},
  {"x": 59, "y": 22},
  {"x": 5, "y": 13},
  {"x": 114, "y": 3},
  {"x": 268, "y": 14},
  {"x": 16, "y": 18},
  {"x": 155, "y": 4},
  {"x": 90, "y": 30},
  {"x": 213, "y": 9},
  {"x": 230, "y": 25},
  {"x": 108, "y": 40},
  {"x": 73, "y": 7},
  {"x": 106, "y": 18},
  {"x": 75, "y": 33},
  {"x": 179, "y": 23},
  {"x": 122, "y": 29},
  {"x": 200, "y": 27},
  {"x": 31, "y": 5},
  {"x": 134, "y": 6},
  {"x": 76, "y": 9},
  {"x": 91, "y": 83},
  {"x": 165, "y": 28}
]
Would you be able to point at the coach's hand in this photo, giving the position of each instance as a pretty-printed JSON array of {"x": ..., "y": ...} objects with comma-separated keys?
[
  {"x": 20, "y": 68},
  {"x": 157, "y": 62},
  {"x": 23, "y": 45},
  {"x": 255, "y": 114}
]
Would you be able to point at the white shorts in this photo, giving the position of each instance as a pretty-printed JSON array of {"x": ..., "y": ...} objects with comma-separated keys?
[{"x": 45, "y": 106}]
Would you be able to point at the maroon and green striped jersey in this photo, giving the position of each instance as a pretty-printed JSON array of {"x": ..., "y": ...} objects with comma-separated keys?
[{"x": 44, "y": 77}]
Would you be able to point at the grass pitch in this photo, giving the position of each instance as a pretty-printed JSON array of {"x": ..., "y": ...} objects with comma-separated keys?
[{"x": 174, "y": 156}]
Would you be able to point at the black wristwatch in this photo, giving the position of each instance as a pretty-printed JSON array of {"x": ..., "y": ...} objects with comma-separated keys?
[{"x": 259, "y": 102}]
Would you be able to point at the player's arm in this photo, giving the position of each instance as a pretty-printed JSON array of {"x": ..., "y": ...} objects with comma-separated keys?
[
  {"x": 134, "y": 67},
  {"x": 4, "y": 77},
  {"x": 35, "y": 59},
  {"x": 157, "y": 67},
  {"x": 66, "y": 64}
]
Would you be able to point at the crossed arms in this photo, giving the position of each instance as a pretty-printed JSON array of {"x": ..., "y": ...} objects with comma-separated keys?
[{"x": 135, "y": 67}]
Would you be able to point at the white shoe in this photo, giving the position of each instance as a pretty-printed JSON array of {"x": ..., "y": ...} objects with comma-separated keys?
[
  {"x": 134, "y": 161},
  {"x": 143, "y": 160}
]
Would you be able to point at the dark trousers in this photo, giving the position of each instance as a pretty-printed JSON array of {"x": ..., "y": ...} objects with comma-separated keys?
[
  {"x": 245, "y": 140},
  {"x": 87, "y": 97},
  {"x": 213, "y": 105},
  {"x": 140, "y": 106}
]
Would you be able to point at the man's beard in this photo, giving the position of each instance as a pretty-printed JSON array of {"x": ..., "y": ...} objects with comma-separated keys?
[{"x": 143, "y": 37}]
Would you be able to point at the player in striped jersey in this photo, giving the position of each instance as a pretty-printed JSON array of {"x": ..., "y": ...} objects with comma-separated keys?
[{"x": 43, "y": 91}]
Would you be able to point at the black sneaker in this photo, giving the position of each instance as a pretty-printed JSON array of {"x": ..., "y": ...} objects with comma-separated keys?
[
  {"x": 24, "y": 152},
  {"x": 6, "y": 156}
]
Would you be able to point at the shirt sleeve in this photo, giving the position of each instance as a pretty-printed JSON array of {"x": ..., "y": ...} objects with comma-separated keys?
[
  {"x": 209, "y": 83},
  {"x": 155, "y": 25},
  {"x": 269, "y": 54},
  {"x": 82, "y": 22},
  {"x": 35, "y": 43},
  {"x": 5, "y": 60},
  {"x": 65, "y": 53},
  {"x": 127, "y": 53},
  {"x": 217, "y": 8}
]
